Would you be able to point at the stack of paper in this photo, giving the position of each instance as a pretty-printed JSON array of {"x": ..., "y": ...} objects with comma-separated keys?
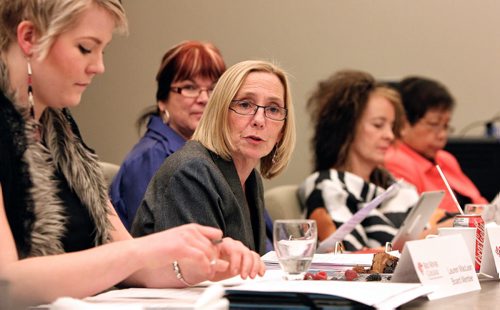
[
  {"x": 196, "y": 298},
  {"x": 325, "y": 261},
  {"x": 381, "y": 295}
]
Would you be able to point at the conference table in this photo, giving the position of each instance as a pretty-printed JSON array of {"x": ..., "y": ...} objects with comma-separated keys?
[{"x": 487, "y": 298}]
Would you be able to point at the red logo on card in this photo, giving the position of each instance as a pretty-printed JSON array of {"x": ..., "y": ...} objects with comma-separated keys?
[{"x": 420, "y": 267}]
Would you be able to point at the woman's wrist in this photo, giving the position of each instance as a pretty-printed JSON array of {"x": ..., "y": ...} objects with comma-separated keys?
[
  {"x": 179, "y": 275},
  {"x": 137, "y": 262}
]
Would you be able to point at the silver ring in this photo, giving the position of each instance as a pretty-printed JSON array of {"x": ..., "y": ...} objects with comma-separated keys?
[{"x": 178, "y": 273}]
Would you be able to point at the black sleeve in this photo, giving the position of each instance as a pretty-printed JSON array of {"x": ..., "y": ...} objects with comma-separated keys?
[
  {"x": 189, "y": 194},
  {"x": 315, "y": 199}
]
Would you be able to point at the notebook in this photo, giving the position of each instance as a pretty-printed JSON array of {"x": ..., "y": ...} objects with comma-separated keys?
[{"x": 418, "y": 217}]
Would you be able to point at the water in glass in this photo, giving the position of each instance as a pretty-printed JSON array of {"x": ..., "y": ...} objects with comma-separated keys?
[{"x": 295, "y": 244}]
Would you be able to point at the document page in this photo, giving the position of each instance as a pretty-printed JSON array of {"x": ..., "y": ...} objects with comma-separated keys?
[
  {"x": 324, "y": 261},
  {"x": 369, "y": 293},
  {"x": 328, "y": 244}
]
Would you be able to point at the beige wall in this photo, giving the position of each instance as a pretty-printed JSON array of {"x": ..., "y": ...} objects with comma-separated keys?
[{"x": 455, "y": 41}]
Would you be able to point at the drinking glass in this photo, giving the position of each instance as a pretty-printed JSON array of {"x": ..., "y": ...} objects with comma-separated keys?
[
  {"x": 295, "y": 244},
  {"x": 487, "y": 211}
]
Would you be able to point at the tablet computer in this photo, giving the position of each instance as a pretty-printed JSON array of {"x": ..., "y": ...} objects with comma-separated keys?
[{"x": 418, "y": 217}]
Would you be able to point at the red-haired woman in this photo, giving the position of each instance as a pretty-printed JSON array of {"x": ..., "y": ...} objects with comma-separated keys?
[{"x": 187, "y": 75}]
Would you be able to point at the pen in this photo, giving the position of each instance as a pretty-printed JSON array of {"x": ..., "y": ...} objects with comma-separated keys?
[
  {"x": 449, "y": 189},
  {"x": 216, "y": 241}
]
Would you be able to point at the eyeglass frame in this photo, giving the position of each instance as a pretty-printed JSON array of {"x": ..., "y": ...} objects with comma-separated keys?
[
  {"x": 256, "y": 108},
  {"x": 437, "y": 128},
  {"x": 180, "y": 89}
]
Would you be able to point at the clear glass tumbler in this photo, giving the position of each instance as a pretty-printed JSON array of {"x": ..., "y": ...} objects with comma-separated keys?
[
  {"x": 487, "y": 211},
  {"x": 295, "y": 244}
]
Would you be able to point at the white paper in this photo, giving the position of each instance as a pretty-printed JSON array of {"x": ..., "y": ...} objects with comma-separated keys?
[
  {"x": 398, "y": 300},
  {"x": 67, "y": 303},
  {"x": 444, "y": 262},
  {"x": 191, "y": 294},
  {"x": 149, "y": 299},
  {"x": 341, "y": 232},
  {"x": 381, "y": 295},
  {"x": 369, "y": 293},
  {"x": 326, "y": 261},
  {"x": 491, "y": 250}
]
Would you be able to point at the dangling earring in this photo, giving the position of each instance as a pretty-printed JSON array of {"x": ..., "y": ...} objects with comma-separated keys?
[
  {"x": 275, "y": 156},
  {"x": 165, "y": 116},
  {"x": 30, "y": 91}
]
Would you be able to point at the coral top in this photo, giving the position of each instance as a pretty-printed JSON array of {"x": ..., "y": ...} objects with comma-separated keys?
[{"x": 403, "y": 162}]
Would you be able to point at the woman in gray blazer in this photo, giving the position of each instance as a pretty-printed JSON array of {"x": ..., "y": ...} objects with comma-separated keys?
[{"x": 213, "y": 180}]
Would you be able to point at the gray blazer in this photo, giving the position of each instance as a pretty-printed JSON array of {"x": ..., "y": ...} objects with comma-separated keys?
[{"x": 195, "y": 185}]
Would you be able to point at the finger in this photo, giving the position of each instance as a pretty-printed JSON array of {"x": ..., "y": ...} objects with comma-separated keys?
[
  {"x": 194, "y": 272},
  {"x": 247, "y": 264},
  {"x": 220, "y": 265},
  {"x": 194, "y": 238},
  {"x": 202, "y": 267},
  {"x": 232, "y": 249},
  {"x": 257, "y": 265},
  {"x": 262, "y": 268},
  {"x": 211, "y": 233},
  {"x": 200, "y": 258},
  {"x": 210, "y": 237}
]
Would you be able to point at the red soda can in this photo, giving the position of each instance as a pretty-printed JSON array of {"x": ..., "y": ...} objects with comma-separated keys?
[{"x": 476, "y": 221}]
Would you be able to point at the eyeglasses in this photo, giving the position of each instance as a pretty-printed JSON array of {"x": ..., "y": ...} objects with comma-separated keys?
[
  {"x": 191, "y": 91},
  {"x": 437, "y": 127},
  {"x": 247, "y": 107}
]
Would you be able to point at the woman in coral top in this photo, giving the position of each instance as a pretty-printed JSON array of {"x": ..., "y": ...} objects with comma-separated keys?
[{"x": 428, "y": 106}]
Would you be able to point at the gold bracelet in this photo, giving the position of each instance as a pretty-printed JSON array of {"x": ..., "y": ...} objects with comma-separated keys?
[{"x": 178, "y": 273}]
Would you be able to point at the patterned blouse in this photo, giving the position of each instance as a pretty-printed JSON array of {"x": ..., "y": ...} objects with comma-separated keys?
[{"x": 342, "y": 194}]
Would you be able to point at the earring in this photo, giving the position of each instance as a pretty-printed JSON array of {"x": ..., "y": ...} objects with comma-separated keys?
[
  {"x": 275, "y": 156},
  {"x": 165, "y": 116},
  {"x": 30, "y": 91}
]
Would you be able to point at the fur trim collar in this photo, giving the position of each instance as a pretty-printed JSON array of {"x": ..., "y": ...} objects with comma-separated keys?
[{"x": 65, "y": 151}]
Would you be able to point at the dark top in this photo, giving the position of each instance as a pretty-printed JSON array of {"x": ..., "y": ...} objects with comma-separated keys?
[
  {"x": 195, "y": 185},
  {"x": 80, "y": 228},
  {"x": 14, "y": 175},
  {"x": 26, "y": 223}
]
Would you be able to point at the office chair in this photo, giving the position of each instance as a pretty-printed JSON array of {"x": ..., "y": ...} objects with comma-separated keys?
[
  {"x": 282, "y": 202},
  {"x": 109, "y": 170}
]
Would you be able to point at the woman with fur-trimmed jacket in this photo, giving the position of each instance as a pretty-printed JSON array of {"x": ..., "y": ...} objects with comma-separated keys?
[{"x": 59, "y": 235}]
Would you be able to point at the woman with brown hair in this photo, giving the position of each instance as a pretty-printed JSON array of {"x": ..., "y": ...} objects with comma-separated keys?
[{"x": 356, "y": 120}]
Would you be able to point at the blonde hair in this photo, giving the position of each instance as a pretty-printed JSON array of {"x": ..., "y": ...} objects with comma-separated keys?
[
  {"x": 51, "y": 18},
  {"x": 394, "y": 98},
  {"x": 213, "y": 129}
]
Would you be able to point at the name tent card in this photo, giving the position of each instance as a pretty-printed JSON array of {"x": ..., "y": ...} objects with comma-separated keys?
[
  {"x": 491, "y": 250},
  {"x": 442, "y": 262}
]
